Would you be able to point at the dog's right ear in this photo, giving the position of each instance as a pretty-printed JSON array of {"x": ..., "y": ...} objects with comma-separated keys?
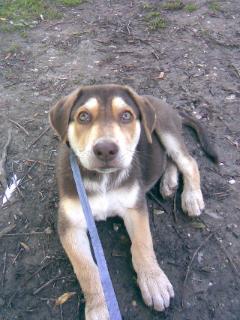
[
  {"x": 148, "y": 114},
  {"x": 59, "y": 114}
]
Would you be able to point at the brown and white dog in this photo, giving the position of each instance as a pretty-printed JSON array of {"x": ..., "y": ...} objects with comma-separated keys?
[{"x": 124, "y": 143}]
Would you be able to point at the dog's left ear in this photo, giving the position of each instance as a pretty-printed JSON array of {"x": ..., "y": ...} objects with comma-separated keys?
[
  {"x": 148, "y": 114},
  {"x": 59, "y": 115}
]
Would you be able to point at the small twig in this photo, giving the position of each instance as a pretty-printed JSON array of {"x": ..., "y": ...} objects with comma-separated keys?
[
  {"x": 61, "y": 311},
  {"x": 16, "y": 185},
  {"x": 234, "y": 267},
  {"x": 19, "y": 191},
  {"x": 17, "y": 255},
  {"x": 58, "y": 23},
  {"x": 11, "y": 84},
  {"x": 155, "y": 55},
  {"x": 7, "y": 229},
  {"x": 39, "y": 137},
  {"x": 44, "y": 285},
  {"x": 44, "y": 163},
  {"x": 4, "y": 268},
  {"x": 128, "y": 27},
  {"x": 190, "y": 265},
  {"x": 34, "y": 233},
  {"x": 3, "y": 176},
  {"x": 237, "y": 72},
  {"x": 19, "y": 126},
  {"x": 48, "y": 283},
  {"x": 175, "y": 208},
  {"x": 29, "y": 170},
  {"x": 157, "y": 201},
  {"x": 26, "y": 281}
]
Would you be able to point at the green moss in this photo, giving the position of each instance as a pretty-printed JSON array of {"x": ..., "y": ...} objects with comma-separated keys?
[
  {"x": 190, "y": 7},
  {"x": 147, "y": 6},
  {"x": 155, "y": 21},
  {"x": 13, "y": 48},
  {"x": 214, "y": 6},
  {"x": 173, "y": 5}
]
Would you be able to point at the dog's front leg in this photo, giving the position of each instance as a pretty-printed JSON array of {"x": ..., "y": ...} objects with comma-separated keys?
[
  {"x": 154, "y": 284},
  {"x": 73, "y": 235}
]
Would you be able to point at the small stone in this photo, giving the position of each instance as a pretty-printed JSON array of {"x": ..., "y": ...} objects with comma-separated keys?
[
  {"x": 115, "y": 227},
  {"x": 231, "y": 97},
  {"x": 200, "y": 257},
  {"x": 158, "y": 212},
  {"x": 232, "y": 181},
  {"x": 48, "y": 230},
  {"x": 134, "y": 303},
  {"x": 161, "y": 75}
]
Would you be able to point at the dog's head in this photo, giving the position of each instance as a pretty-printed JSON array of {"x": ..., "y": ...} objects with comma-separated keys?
[{"x": 102, "y": 124}]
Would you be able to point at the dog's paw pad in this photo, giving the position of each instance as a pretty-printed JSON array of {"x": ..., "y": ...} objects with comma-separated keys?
[
  {"x": 192, "y": 202},
  {"x": 169, "y": 184},
  {"x": 156, "y": 289}
]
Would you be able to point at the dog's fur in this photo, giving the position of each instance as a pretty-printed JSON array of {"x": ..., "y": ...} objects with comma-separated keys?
[{"x": 120, "y": 159}]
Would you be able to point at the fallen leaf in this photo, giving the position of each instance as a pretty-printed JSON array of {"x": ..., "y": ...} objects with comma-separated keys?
[
  {"x": 158, "y": 212},
  {"x": 48, "y": 230},
  {"x": 8, "y": 56},
  {"x": 25, "y": 246},
  {"x": 64, "y": 298},
  {"x": 198, "y": 225},
  {"x": 161, "y": 75}
]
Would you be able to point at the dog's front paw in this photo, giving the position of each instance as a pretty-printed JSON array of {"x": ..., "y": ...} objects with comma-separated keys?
[
  {"x": 96, "y": 312},
  {"x": 96, "y": 308},
  {"x": 156, "y": 289},
  {"x": 192, "y": 202}
]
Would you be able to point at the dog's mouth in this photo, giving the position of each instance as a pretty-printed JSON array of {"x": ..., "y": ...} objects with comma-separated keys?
[
  {"x": 108, "y": 167},
  {"x": 107, "y": 170}
]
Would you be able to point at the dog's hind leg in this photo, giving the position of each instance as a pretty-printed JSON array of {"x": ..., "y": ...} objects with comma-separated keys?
[
  {"x": 192, "y": 199},
  {"x": 169, "y": 180}
]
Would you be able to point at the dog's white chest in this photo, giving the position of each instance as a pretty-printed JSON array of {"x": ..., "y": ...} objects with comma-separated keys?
[{"x": 106, "y": 203}]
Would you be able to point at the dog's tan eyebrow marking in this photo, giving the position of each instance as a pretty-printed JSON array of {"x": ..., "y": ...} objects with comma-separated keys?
[
  {"x": 118, "y": 103},
  {"x": 91, "y": 104}
]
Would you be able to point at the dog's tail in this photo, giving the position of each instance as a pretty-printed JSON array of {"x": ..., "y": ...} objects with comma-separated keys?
[{"x": 202, "y": 136}]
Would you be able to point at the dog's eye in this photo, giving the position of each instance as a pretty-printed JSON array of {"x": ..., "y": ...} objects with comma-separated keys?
[
  {"x": 84, "y": 117},
  {"x": 126, "y": 117}
]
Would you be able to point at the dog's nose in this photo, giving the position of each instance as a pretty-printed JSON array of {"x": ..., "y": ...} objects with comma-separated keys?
[{"x": 105, "y": 150}]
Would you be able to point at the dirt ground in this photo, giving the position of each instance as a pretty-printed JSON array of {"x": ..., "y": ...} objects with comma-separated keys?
[{"x": 112, "y": 42}]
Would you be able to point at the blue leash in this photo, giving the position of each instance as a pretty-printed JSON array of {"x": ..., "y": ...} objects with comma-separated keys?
[{"x": 108, "y": 290}]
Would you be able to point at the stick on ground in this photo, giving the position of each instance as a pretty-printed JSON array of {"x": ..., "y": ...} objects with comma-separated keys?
[
  {"x": 190, "y": 265},
  {"x": 19, "y": 126},
  {"x": 39, "y": 137},
  {"x": 7, "y": 229},
  {"x": 3, "y": 175}
]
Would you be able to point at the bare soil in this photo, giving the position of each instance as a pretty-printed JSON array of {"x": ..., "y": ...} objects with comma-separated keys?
[{"x": 111, "y": 42}]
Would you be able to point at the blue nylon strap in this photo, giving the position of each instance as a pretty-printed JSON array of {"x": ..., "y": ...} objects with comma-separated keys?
[{"x": 108, "y": 290}]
